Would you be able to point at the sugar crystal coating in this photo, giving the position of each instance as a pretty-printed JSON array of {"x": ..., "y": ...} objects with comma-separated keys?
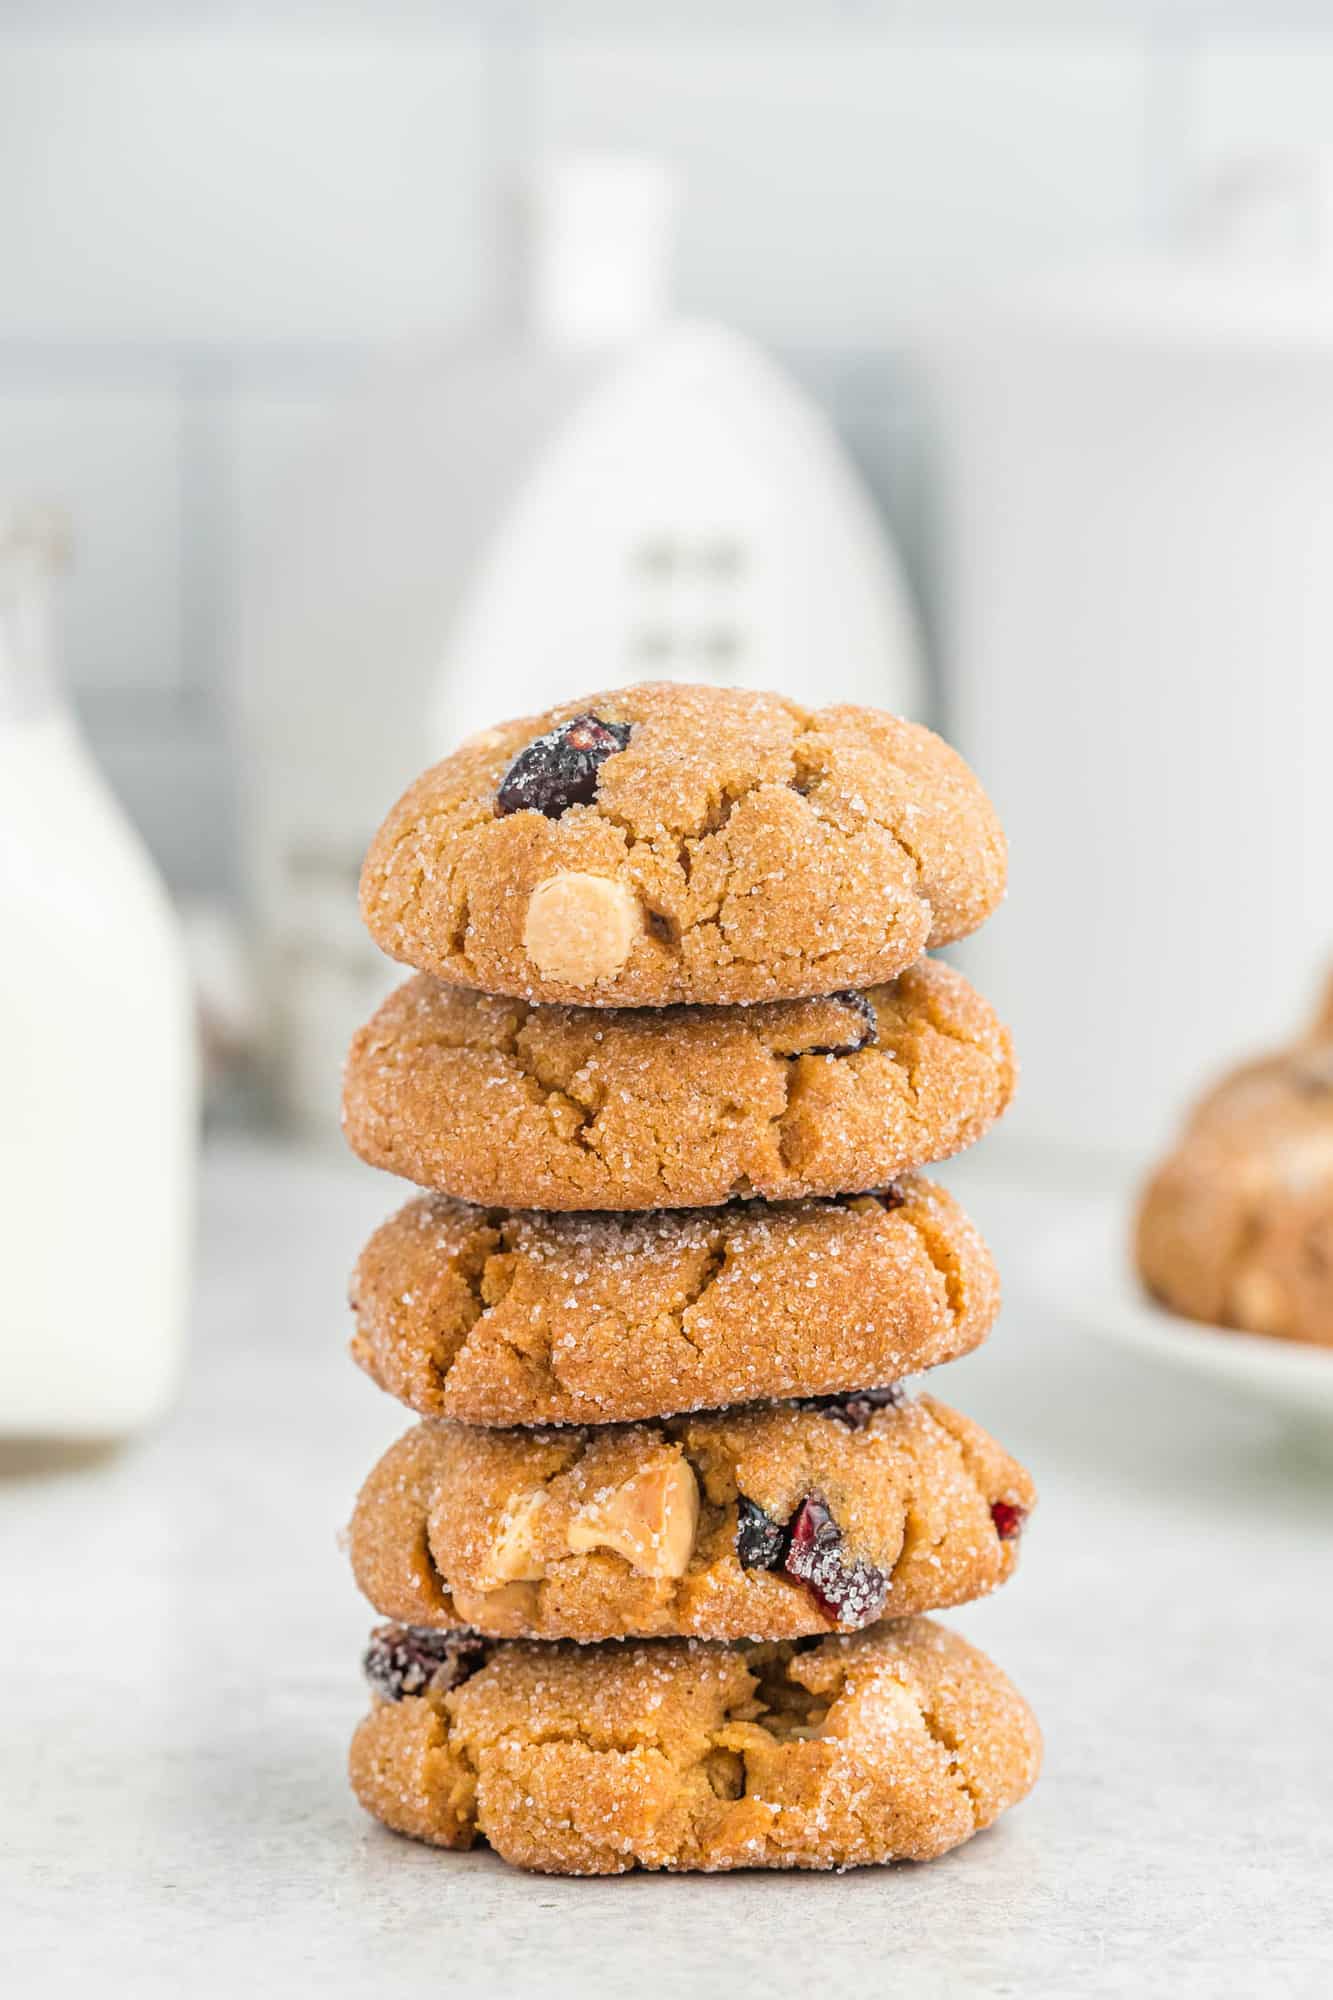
[
  {"x": 559, "y": 769},
  {"x": 862, "y": 1028},
  {"x": 856, "y": 1410},
  {"x": 777, "y": 851},
  {"x": 493, "y": 1101},
  {"x": 760, "y": 1540},
  {"x": 654, "y": 846},
  {"x": 851, "y": 1590},
  {"x": 893, "y": 1743},
  {"x": 495, "y": 1317},
  {"x": 568, "y": 1533},
  {"x": 811, "y": 1547}
]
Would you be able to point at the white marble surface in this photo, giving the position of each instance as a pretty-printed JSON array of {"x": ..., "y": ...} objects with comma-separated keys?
[{"x": 179, "y": 1678}]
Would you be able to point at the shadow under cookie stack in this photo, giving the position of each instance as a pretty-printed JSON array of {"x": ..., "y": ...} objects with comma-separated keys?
[{"x": 656, "y": 1553}]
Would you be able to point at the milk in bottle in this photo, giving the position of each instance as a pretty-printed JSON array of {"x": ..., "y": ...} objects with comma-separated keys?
[{"x": 97, "y": 1060}]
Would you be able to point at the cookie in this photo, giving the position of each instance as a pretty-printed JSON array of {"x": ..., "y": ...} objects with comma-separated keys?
[
  {"x": 670, "y": 843},
  {"x": 493, "y": 1317},
  {"x": 1236, "y": 1226},
  {"x": 894, "y": 1744},
  {"x": 766, "y": 1523},
  {"x": 514, "y": 1106}
]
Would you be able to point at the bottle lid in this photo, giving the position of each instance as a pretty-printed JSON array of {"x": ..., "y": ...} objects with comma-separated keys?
[
  {"x": 35, "y": 531},
  {"x": 603, "y": 228}
]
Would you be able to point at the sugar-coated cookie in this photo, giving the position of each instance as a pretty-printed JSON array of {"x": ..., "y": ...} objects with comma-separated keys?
[
  {"x": 669, "y": 842},
  {"x": 1235, "y": 1227},
  {"x": 763, "y": 1523},
  {"x": 894, "y": 1744},
  {"x": 513, "y": 1106},
  {"x": 498, "y": 1317}
]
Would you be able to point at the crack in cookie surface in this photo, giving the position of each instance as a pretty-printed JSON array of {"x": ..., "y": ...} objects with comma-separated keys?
[
  {"x": 897, "y": 1743},
  {"x": 632, "y": 1530},
  {"x": 584, "y": 1108},
  {"x": 498, "y": 1318},
  {"x": 782, "y": 851}
]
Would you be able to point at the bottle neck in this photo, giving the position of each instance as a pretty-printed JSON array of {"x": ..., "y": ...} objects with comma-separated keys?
[{"x": 29, "y": 676}]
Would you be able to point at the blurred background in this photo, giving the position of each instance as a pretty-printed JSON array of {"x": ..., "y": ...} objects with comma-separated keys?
[
  {"x": 371, "y": 371},
  {"x": 299, "y": 299}
]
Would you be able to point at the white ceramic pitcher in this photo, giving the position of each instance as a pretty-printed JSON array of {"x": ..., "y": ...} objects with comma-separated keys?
[{"x": 1139, "y": 612}]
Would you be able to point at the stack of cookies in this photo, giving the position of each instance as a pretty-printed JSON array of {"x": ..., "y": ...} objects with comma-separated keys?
[{"x": 656, "y": 1553}]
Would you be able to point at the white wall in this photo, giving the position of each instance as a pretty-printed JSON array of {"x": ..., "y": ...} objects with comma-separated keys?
[{"x": 210, "y": 216}]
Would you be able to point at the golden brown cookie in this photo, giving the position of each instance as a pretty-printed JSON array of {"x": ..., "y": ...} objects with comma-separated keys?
[
  {"x": 1236, "y": 1225},
  {"x": 676, "y": 843},
  {"x": 514, "y": 1106},
  {"x": 894, "y": 1744},
  {"x": 494, "y": 1317},
  {"x": 761, "y": 1523}
]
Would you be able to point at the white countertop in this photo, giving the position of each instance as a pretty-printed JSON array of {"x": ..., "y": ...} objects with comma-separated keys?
[{"x": 181, "y": 1676}]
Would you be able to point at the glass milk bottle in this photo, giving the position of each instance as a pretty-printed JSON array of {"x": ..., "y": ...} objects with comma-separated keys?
[{"x": 97, "y": 1059}]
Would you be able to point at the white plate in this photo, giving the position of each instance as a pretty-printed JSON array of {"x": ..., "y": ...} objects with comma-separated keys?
[{"x": 1085, "y": 1273}]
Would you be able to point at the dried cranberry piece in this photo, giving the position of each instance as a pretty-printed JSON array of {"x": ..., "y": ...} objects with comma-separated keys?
[
  {"x": 851, "y": 1593},
  {"x": 856, "y": 1410},
  {"x": 862, "y": 1033},
  {"x": 559, "y": 769},
  {"x": 1008, "y": 1518},
  {"x": 889, "y": 1197},
  {"x": 413, "y": 1659},
  {"x": 812, "y": 1550},
  {"x": 761, "y": 1542}
]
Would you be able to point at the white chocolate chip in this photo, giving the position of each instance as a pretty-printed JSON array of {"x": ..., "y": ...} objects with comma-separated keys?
[
  {"x": 581, "y": 928},
  {"x": 511, "y": 1558},
  {"x": 650, "y": 1520}
]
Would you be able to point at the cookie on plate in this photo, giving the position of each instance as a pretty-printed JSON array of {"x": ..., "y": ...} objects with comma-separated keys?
[
  {"x": 768, "y": 1523},
  {"x": 894, "y": 1744},
  {"x": 676, "y": 843},
  {"x": 513, "y": 1106},
  {"x": 496, "y": 1317},
  {"x": 1235, "y": 1227}
]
